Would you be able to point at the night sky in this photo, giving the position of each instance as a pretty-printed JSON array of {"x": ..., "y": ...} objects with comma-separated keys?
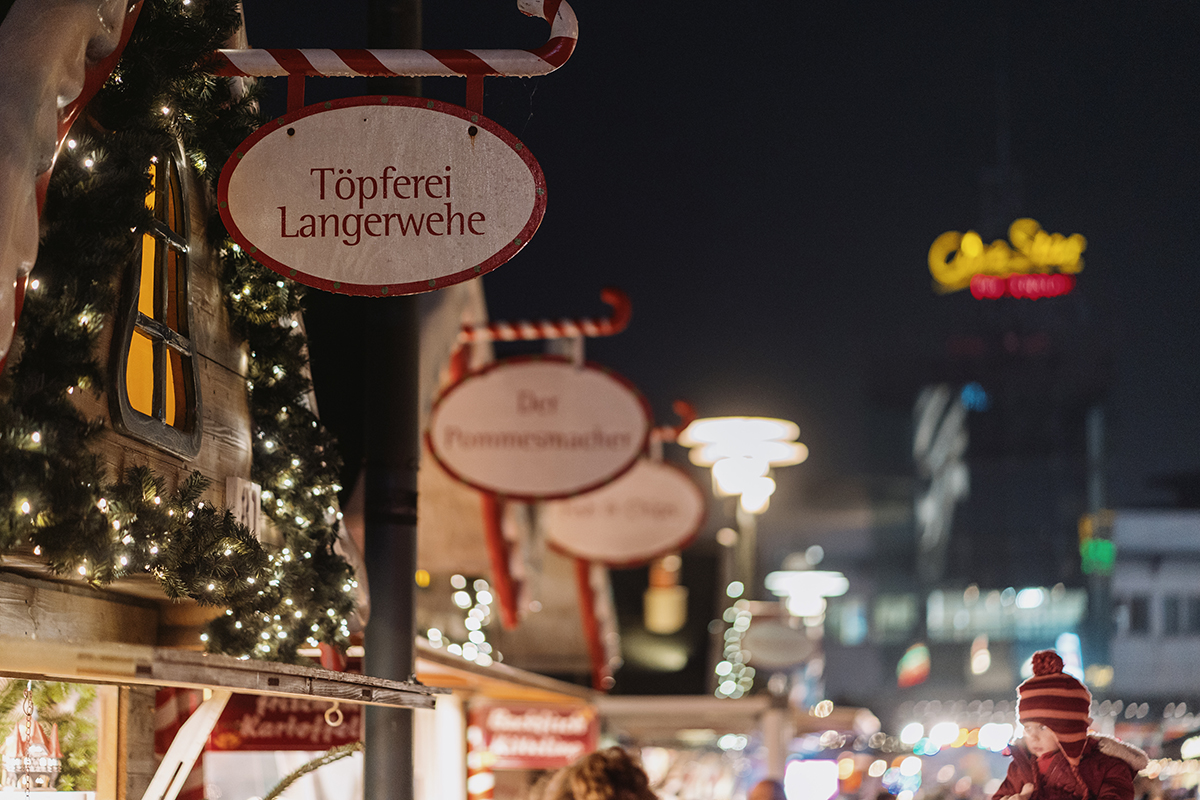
[{"x": 764, "y": 180}]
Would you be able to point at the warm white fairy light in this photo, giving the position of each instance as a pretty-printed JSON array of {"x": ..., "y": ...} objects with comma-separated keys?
[
  {"x": 35, "y": 437},
  {"x": 25, "y": 507}
]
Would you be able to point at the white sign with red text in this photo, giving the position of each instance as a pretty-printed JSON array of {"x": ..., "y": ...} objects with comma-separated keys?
[
  {"x": 382, "y": 195},
  {"x": 539, "y": 428},
  {"x": 650, "y": 511},
  {"x": 535, "y": 737}
]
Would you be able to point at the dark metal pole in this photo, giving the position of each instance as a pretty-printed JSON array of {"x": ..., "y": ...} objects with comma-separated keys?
[{"x": 392, "y": 456}]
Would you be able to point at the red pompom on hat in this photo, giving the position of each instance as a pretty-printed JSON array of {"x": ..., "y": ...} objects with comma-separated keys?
[{"x": 1058, "y": 701}]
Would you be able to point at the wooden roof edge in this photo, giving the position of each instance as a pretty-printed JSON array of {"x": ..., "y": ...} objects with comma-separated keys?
[
  {"x": 498, "y": 671},
  {"x": 112, "y": 663}
]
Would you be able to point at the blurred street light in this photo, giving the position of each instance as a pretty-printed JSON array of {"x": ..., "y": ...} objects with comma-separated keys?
[{"x": 741, "y": 452}]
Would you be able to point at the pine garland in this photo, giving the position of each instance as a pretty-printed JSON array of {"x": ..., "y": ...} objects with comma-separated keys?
[{"x": 54, "y": 493}]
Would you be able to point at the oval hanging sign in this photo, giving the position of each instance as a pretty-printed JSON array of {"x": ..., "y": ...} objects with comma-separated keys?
[
  {"x": 650, "y": 511},
  {"x": 539, "y": 428},
  {"x": 382, "y": 195}
]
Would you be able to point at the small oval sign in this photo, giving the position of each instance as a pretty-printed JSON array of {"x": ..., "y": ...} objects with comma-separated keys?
[
  {"x": 539, "y": 428},
  {"x": 774, "y": 645},
  {"x": 650, "y": 511},
  {"x": 382, "y": 195}
]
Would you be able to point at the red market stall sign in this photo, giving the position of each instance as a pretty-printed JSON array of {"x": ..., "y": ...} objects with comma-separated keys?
[
  {"x": 261, "y": 722},
  {"x": 539, "y": 428},
  {"x": 534, "y": 737},
  {"x": 651, "y": 510},
  {"x": 382, "y": 195}
]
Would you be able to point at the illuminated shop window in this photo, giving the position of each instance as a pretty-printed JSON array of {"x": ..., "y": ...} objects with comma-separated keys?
[{"x": 157, "y": 392}]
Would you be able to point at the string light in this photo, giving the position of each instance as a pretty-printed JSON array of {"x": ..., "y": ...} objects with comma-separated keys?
[{"x": 138, "y": 542}]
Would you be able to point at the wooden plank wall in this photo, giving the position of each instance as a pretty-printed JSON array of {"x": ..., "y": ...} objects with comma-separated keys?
[{"x": 222, "y": 363}]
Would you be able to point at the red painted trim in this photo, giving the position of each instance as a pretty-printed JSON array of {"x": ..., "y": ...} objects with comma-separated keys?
[
  {"x": 391, "y": 289},
  {"x": 591, "y": 625},
  {"x": 497, "y": 548},
  {"x": 622, "y": 309},
  {"x": 475, "y": 93},
  {"x": 459, "y": 361},
  {"x": 332, "y": 657},
  {"x": 96, "y": 74},
  {"x": 295, "y": 92},
  {"x": 621, "y": 379}
]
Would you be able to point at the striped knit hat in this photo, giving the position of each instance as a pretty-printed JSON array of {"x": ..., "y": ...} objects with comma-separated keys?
[{"x": 1058, "y": 701}]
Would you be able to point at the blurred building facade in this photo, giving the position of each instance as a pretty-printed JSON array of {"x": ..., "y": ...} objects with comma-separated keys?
[{"x": 973, "y": 562}]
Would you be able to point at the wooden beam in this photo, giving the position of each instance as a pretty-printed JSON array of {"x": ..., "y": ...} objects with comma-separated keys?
[{"x": 101, "y": 663}]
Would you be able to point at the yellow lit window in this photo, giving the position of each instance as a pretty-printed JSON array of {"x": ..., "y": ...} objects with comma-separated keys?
[{"x": 157, "y": 382}]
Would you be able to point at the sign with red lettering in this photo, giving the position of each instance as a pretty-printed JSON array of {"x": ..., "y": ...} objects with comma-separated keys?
[
  {"x": 539, "y": 428},
  {"x": 534, "y": 737},
  {"x": 382, "y": 195},
  {"x": 651, "y": 510},
  {"x": 262, "y": 722}
]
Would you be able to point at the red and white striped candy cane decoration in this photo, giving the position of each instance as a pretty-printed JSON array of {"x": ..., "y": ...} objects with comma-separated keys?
[
  {"x": 492, "y": 506},
  {"x": 544, "y": 329},
  {"x": 564, "y": 31},
  {"x": 550, "y": 329}
]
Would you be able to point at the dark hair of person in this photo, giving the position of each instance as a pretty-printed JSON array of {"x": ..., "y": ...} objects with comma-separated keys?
[{"x": 610, "y": 774}]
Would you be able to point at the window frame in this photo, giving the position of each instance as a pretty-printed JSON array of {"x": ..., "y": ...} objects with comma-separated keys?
[{"x": 181, "y": 440}]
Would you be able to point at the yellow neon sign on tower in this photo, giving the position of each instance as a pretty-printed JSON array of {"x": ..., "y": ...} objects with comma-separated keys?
[{"x": 955, "y": 258}]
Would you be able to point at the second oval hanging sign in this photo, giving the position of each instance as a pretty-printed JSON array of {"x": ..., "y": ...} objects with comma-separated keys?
[{"x": 539, "y": 428}]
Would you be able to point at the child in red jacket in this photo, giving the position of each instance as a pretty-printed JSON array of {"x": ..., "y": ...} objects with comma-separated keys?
[{"x": 1058, "y": 759}]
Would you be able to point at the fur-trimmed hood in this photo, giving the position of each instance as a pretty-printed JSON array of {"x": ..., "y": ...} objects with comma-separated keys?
[{"x": 1131, "y": 755}]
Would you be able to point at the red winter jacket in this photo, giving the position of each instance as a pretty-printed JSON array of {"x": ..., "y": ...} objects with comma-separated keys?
[{"x": 1107, "y": 767}]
